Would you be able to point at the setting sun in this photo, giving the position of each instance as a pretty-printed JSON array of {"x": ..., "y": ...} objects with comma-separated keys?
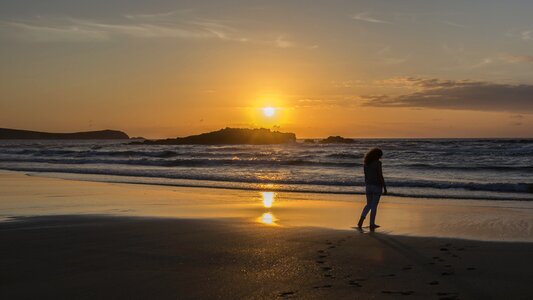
[{"x": 269, "y": 111}]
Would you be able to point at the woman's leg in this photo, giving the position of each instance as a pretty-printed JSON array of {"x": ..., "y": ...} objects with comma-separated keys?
[
  {"x": 374, "y": 208},
  {"x": 367, "y": 207}
]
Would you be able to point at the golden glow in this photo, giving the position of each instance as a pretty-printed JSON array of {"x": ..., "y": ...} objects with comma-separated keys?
[
  {"x": 268, "y": 219},
  {"x": 268, "y": 199},
  {"x": 269, "y": 111}
]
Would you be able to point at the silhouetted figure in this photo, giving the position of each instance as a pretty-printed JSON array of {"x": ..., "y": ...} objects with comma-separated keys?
[{"x": 374, "y": 183}]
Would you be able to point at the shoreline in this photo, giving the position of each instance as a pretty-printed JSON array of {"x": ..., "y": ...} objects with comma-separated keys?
[
  {"x": 87, "y": 240},
  {"x": 25, "y": 195},
  {"x": 428, "y": 192},
  {"x": 73, "y": 176}
]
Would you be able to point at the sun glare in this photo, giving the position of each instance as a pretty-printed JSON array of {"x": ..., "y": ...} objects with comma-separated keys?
[
  {"x": 269, "y": 111},
  {"x": 268, "y": 199}
]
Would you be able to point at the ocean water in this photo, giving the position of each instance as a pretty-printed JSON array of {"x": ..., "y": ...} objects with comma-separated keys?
[{"x": 492, "y": 169}]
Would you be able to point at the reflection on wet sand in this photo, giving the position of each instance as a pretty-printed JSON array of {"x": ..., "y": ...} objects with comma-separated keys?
[
  {"x": 268, "y": 201},
  {"x": 267, "y": 218}
]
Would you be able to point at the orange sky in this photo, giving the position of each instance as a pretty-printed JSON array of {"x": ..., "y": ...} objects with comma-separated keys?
[{"x": 358, "y": 69}]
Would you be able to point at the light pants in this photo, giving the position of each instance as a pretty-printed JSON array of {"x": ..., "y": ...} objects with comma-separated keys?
[{"x": 373, "y": 193}]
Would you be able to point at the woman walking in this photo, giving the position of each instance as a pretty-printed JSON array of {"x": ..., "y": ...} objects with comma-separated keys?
[{"x": 375, "y": 183}]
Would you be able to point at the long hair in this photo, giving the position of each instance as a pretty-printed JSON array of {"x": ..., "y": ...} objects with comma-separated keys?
[{"x": 373, "y": 155}]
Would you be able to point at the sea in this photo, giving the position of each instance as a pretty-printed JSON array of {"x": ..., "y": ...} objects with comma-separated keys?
[{"x": 489, "y": 169}]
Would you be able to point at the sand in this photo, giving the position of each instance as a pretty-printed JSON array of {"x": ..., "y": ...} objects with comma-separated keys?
[{"x": 69, "y": 239}]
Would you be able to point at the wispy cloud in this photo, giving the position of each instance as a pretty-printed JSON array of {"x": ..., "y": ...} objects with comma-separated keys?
[
  {"x": 460, "y": 95},
  {"x": 51, "y": 33},
  {"x": 82, "y": 30},
  {"x": 282, "y": 42},
  {"x": 365, "y": 17},
  {"x": 527, "y": 35},
  {"x": 180, "y": 24},
  {"x": 520, "y": 58}
]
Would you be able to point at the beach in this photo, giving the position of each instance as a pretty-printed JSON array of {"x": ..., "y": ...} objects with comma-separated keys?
[{"x": 75, "y": 239}]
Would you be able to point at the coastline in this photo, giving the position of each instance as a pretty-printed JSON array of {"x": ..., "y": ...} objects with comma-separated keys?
[
  {"x": 74, "y": 239},
  {"x": 35, "y": 195}
]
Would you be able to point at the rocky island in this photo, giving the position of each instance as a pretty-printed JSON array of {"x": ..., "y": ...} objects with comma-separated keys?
[
  {"x": 337, "y": 140},
  {"x": 17, "y": 134},
  {"x": 229, "y": 136}
]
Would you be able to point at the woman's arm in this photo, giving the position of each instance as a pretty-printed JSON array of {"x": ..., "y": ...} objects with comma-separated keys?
[{"x": 381, "y": 179}]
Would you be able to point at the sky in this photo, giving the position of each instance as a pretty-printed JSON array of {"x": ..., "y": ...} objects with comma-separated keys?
[{"x": 353, "y": 68}]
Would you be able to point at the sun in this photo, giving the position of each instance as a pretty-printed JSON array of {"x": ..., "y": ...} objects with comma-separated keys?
[{"x": 269, "y": 111}]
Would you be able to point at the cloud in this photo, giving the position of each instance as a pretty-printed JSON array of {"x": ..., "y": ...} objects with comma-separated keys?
[
  {"x": 52, "y": 33},
  {"x": 81, "y": 30},
  {"x": 459, "y": 95},
  {"x": 175, "y": 24},
  {"x": 520, "y": 58},
  {"x": 527, "y": 35},
  {"x": 364, "y": 16},
  {"x": 282, "y": 42}
]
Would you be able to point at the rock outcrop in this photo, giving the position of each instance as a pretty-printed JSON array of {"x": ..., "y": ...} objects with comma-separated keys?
[
  {"x": 229, "y": 136},
  {"x": 16, "y": 134}
]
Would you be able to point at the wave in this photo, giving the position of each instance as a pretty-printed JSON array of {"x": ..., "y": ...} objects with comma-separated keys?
[
  {"x": 466, "y": 167},
  {"x": 192, "y": 162},
  {"x": 522, "y": 187}
]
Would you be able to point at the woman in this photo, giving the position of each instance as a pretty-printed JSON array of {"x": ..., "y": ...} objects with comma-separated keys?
[{"x": 375, "y": 183}]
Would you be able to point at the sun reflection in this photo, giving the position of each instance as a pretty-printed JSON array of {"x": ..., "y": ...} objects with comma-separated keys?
[
  {"x": 268, "y": 199},
  {"x": 267, "y": 218}
]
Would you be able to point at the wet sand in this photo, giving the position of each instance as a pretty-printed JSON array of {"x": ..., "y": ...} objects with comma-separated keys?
[
  {"x": 84, "y": 240},
  {"x": 88, "y": 257},
  {"x": 23, "y": 195}
]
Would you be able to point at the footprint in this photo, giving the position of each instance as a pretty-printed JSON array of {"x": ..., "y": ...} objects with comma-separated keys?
[
  {"x": 354, "y": 283},
  {"x": 470, "y": 268},
  {"x": 325, "y": 286},
  {"x": 388, "y": 275},
  {"x": 320, "y": 251},
  {"x": 329, "y": 276},
  {"x": 406, "y": 268},
  {"x": 448, "y": 266},
  {"x": 434, "y": 282},
  {"x": 322, "y": 256},
  {"x": 361, "y": 279},
  {"x": 286, "y": 294},
  {"x": 319, "y": 261},
  {"x": 331, "y": 247},
  {"x": 435, "y": 257},
  {"x": 406, "y": 293},
  {"x": 446, "y": 273},
  {"x": 444, "y": 249},
  {"x": 448, "y": 296},
  {"x": 326, "y": 269}
]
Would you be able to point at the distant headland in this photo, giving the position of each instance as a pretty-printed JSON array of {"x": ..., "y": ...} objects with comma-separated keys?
[
  {"x": 17, "y": 134},
  {"x": 226, "y": 136},
  {"x": 229, "y": 136}
]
